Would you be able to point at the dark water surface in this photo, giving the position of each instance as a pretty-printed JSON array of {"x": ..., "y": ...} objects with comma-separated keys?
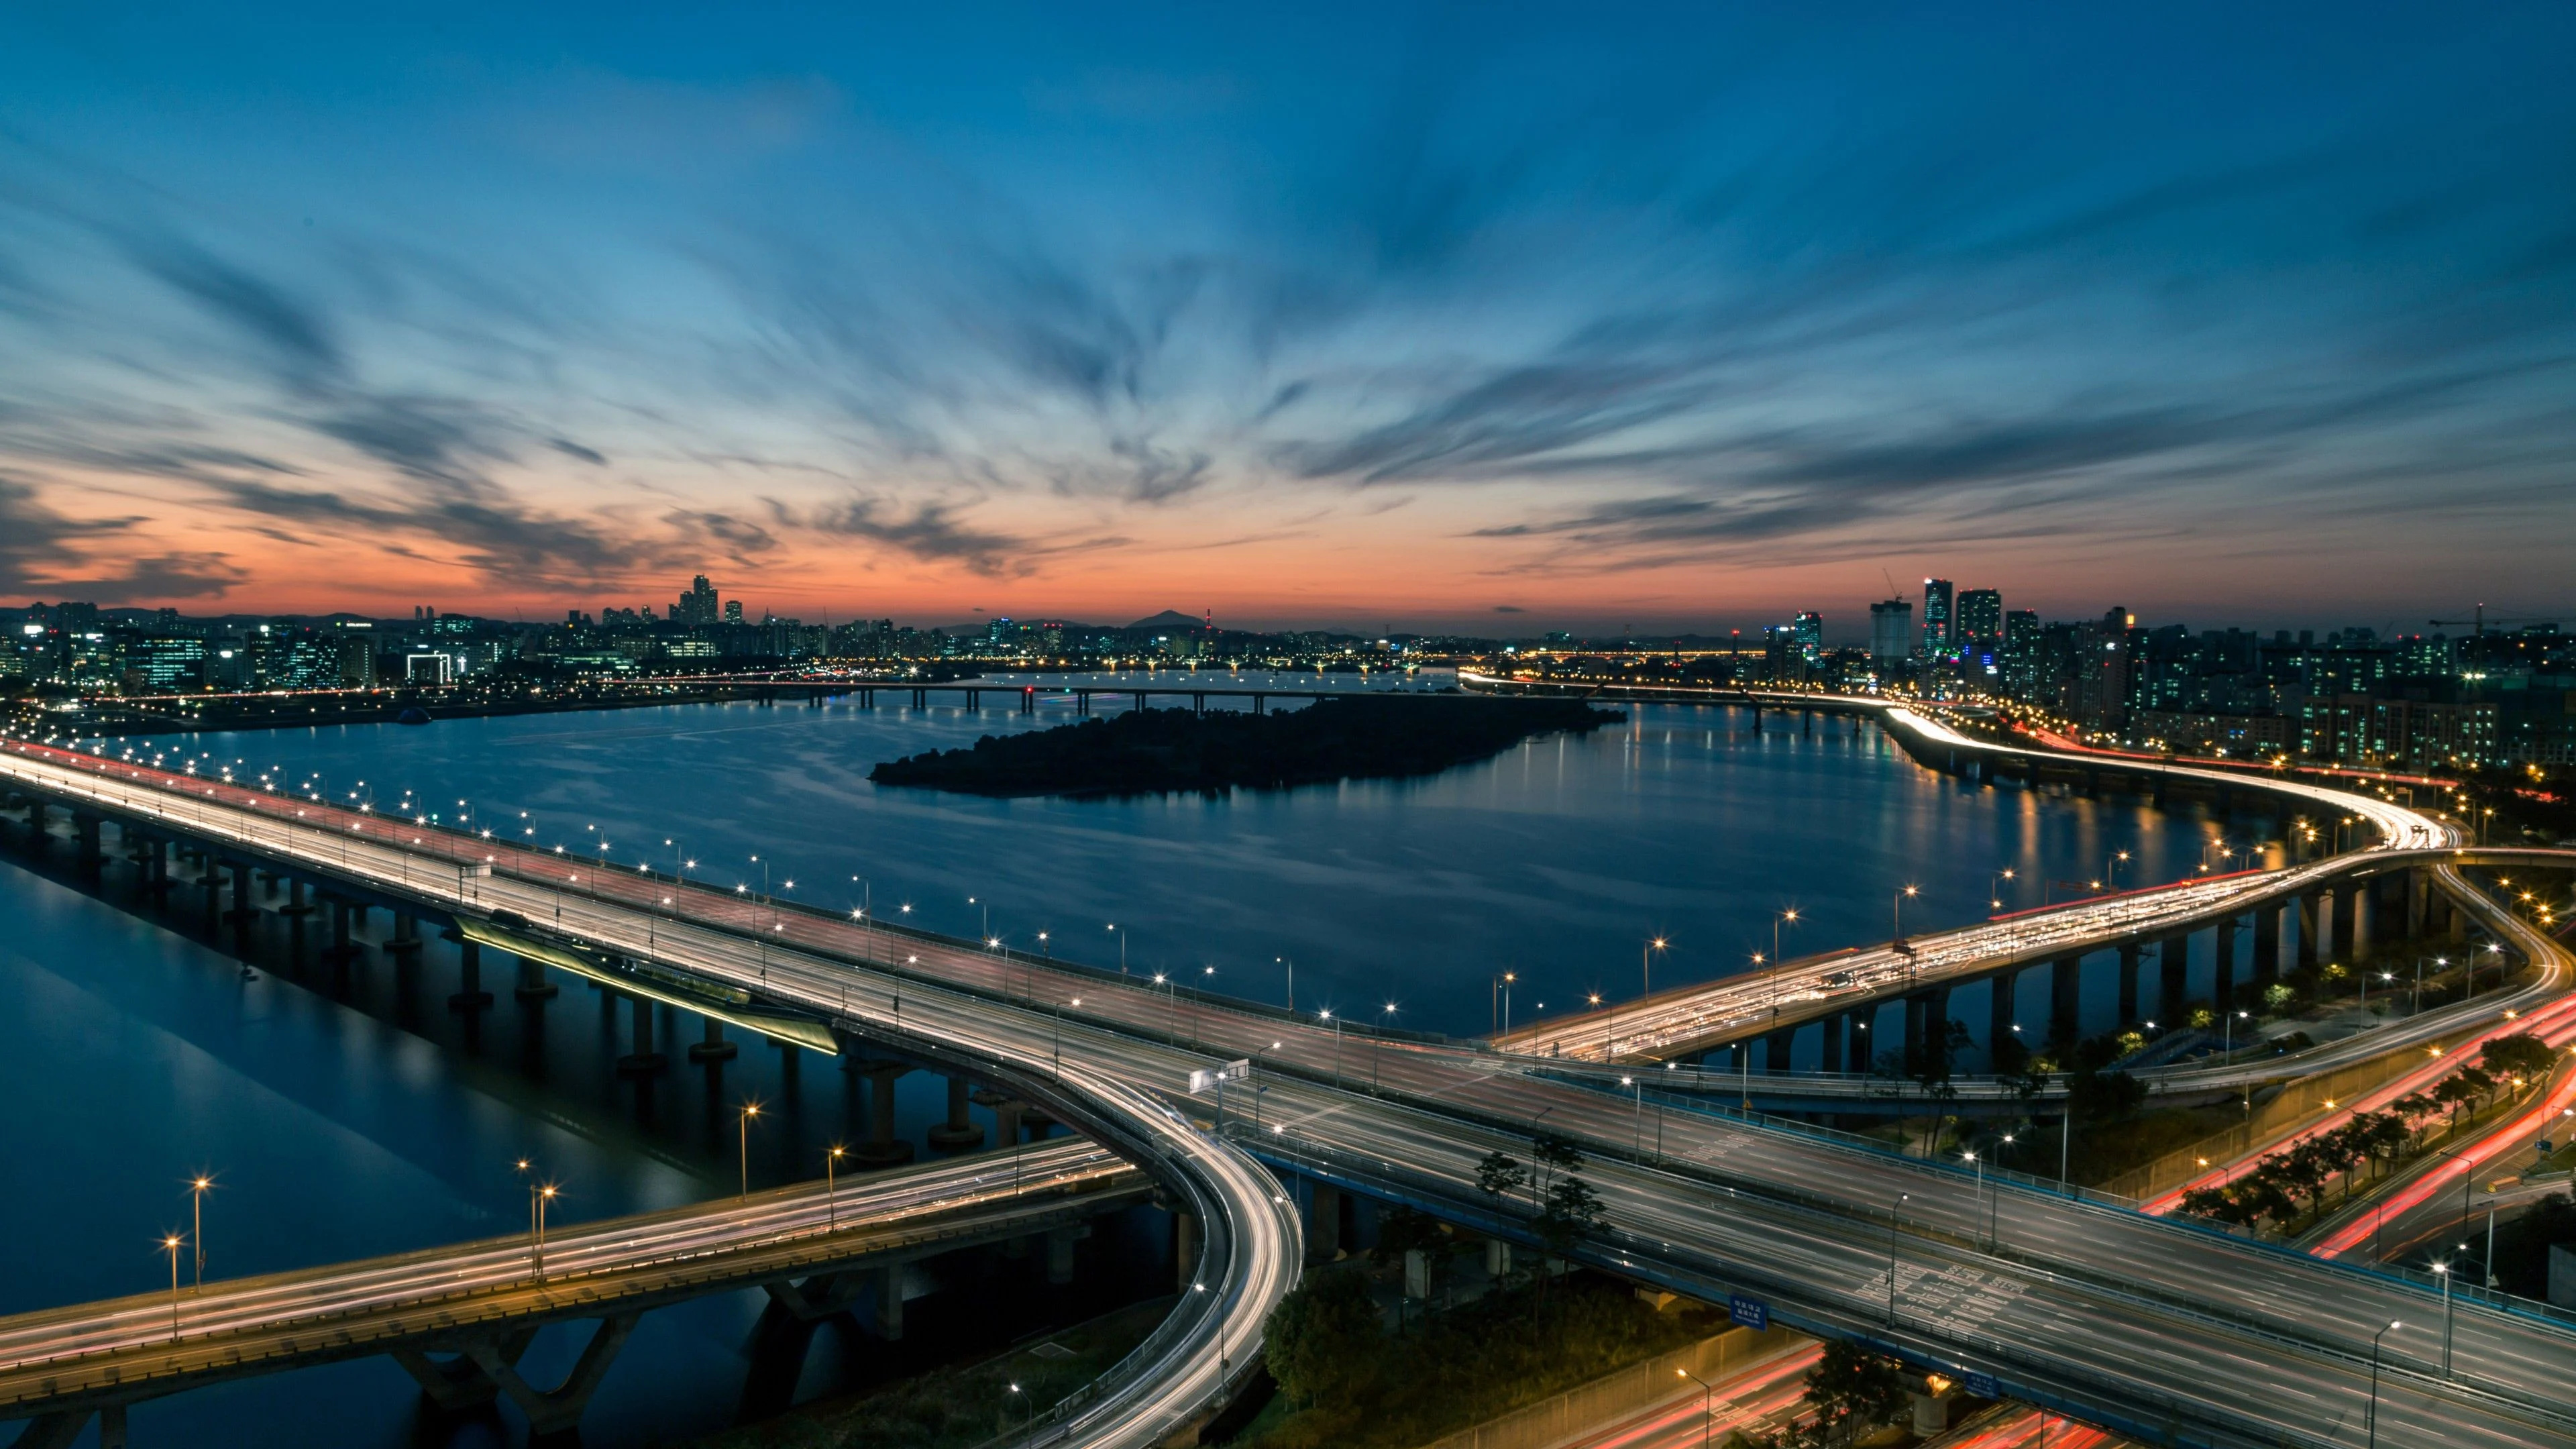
[{"x": 363, "y": 1117}]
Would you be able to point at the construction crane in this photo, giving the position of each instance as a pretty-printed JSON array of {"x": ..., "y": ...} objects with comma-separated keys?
[{"x": 2480, "y": 621}]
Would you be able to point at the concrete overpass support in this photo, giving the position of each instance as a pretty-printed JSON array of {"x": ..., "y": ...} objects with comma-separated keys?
[
  {"x": 533, "y": 985},
  {"x": 2304, "y": 911},
  {"x": 643, "y": 1060},
  {"x": 2329, "y": 901},
  {"x": 2419, "y": 889},
  {"x": 2365, "y": 904},
  {"x": 890, "y": 1302},
  {"x": 1185, "y": 1251},
  {"x": 959, "y": 1132},
  {"x": 1324, "y": 1223},
  {"x": 2001, "y": 988},
  {"x": 2065, "y": 1000},
  {"x": 2173, "y": 958},
  {"x": 711, "y": 1046},
  {"x": 2128, "y": 982},
  {"x": 470, "y": 995},
  {"x": 2222, "y": 979},
  {"x": 85, "y": 830},
  {"x": 1837, "y": 1027},
  {"x": 2268, "y": 925},
  {"x": 1775, "y": 1048},
  {"x": 1059, "y": 1249},
  {"x": 882, "y": 1148}
]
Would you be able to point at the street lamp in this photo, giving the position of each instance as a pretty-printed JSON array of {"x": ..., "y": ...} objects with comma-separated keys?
[
  {"x": 198, "y": 1186},
  {"x": 1981, "y": 1191},
  {"x": 1900, "y": 912},
  {"x": 831, "y": 1186},
  {"x": 1378, "y": 1058},
  {"x": 544, "y": 1198},
  {"x": 2443, "y": 1272},
  {"x": 1122, "y": 948},
  {"x": 1707, "y": 1404},
  {"x": 171, "y": 1243},
  {"x": 1901, "y": 1199},
  {"x": 749, "y": 1111},
  {"x": 2372, "y": 1418}
]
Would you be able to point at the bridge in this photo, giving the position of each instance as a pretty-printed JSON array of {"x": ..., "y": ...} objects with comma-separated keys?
[
  {"x": 2106, "y": 1314},
  {"x": 459, "y": 1318}
]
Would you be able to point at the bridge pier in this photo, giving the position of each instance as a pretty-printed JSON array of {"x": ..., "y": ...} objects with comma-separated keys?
[
  {"x": 1776, "y": 1047},
  {"x": 344, "y": 947},
  {"x": 2173, "y": 956},
  {"x": 1059, "y": 1252},
  {"x": 2329, "y": 903},
  {"x": 882, "y": 1148},
  {"x": 2128, "y": 981},
  {"x": 85, "y": 830},
  {"x": 2001, "y": 988},
  {"x": 644, "y": 1060},
  {"x": 2222, "y": 978},
  {"x": 533, "y": 985},
  {"x": 2419, "y": 889},
  {"x": 959, "y": 1132},
  {"x": 1837, "y": 1026},
  {"x": 889, "y": 1305},
  {"x": 2303, "y": 913},
  {"x": 2364, "y": 903},
  {"x": 486, "y": 1368},
  {"x": 469, "y": 995},
  {"x": 36, "y": 836},
  {"x": 2268, "y": 926},
  {"x": 2065, "y": 1001},
  {"x": 712, "y": 1047}
]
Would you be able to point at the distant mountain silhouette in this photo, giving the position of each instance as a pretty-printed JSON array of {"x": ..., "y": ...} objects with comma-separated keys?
[{"x": 1170, "y": 619}]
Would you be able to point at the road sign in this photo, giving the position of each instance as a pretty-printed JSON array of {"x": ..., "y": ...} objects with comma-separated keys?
[
  {"x": 1748, "y": 1312},
  {"x": 1980, "y": 1386},
  {"x": 1204, "y": 1080}
]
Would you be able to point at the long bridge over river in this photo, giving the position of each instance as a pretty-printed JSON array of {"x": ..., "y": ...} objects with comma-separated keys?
[{"x": 2094, "y": 1310}]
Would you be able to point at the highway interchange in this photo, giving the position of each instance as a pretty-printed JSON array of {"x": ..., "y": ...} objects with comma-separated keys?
[{"x": 2093, "y": 1308}]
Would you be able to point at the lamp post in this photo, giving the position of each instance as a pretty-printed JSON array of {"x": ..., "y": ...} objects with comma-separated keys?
[
  {"x": 831, "y": 1186},
  {"x": 197, "y": 1189},
  {"x": 543, "y": 1197},
  {"x": 749, "y": 1111},
  {"x": 1327, "y": 1015},
  {"x": 1292, "y": 979},
  {"x": 1901, "y": 894},
  {"x": 2372, "y": 1417},
  {"x": 1378, "y": 1057},
  {"x": 1122, "y": 949},
  {"x": 1980, "y": 1198},
  {"x": 1901, "y": 1199},
  {"x": 170, "y": 1244},
  {"x": 2443, "y": 1272},
  {"x": 1707, "y": 1404}
]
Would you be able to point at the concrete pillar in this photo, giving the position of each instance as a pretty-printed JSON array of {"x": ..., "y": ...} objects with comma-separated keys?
[
  {"x": 2303, "y": 909},
  {"x": 2324, "y": 916},
  {"x": 2268, "y": 926},
  {"x": 2173, "y": 955},
  {"x": 2065, "y": 1000},
  {"x": 1999, "y": 1009},
  {"x": 470, "y": 995},
  {"x": 1498, "y": 1258},
  {"x": 533, "y": 985},
  {"x": 881, "y": 1149},
  {"x": 890, "y": 1301},
  {"x": 1059, "y": 1256},
  {"x": 711, "y": 1047},
  {"x": 2222, "y": 979},
  {"x": 2365, "y": 901},
  {"x": 1324, "y": 1223},
  {"x": 2419, "y": 889},
  {"x": 1775, "y": 1049},
  {"x": 242, "y": 912},
  {"x": 85, "y": 828},
  {"x": 1837, "y": 1027},
  {"x": 2459, "y": 922},
  {"x": 1918, "y": 1018},
  {"x": 1006, "y": 1120},
  {"x": 1185, "y": 1251},
  {"x": 2128, "y": 982},
  {"x": 959, "y": 1132},
  {"x": 644, "y": 1060},
  {"x": 406, "y": 938}
]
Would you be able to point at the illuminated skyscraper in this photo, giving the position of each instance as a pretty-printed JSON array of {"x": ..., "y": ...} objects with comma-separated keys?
[{"x": 1939, "y": 644}]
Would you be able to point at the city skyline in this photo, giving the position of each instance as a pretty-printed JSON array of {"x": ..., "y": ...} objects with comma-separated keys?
[{"x": 1681, "y": 324}]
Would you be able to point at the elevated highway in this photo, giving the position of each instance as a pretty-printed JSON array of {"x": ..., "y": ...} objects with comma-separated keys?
[
  {"x": 2117, "y": 1317},
  {"x": 477, "y": 1305}
]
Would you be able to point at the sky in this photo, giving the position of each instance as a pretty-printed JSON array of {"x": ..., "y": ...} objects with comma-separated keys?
[{"x": 1490, "y": 317}]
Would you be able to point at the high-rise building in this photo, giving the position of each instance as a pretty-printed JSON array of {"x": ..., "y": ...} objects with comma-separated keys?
[
  {"x": 2021, "y": 654},
  {"x": 1939, "y": 643},
  {"x": 1809, "y": 626},
  {"x": 1891, "y": 633},
  {"x": 1981, "y": 620},
  {"x": 732, "y": 609},
  {"x": 698, "y": 605}
]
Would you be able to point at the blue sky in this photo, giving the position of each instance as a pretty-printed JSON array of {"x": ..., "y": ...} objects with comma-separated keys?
[{"x": 1685, "y": 317}]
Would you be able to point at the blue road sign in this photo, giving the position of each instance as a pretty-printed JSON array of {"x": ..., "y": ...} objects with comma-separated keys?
[
  {"x": 1981, "y": 1386},
  {"x": 1748, "y": 1312}
]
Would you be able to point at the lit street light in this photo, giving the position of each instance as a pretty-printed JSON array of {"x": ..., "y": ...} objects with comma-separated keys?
[
  {"x": 749, "y": 1111},
  {"x": 1707, "y": 1404},
  {"x": 2372, "y": 1418},
  {"x": 171, "y": 1243},
  {"x": 198, "y": 1186}
]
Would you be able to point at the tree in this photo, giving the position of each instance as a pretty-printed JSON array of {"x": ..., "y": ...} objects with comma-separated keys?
[
  {"x": 1499, "y": 1176},
  {"x": 1853, "y": 1391},
  {"x": 2520, "y": 1055},
  {"x": 1556, "y": 1154},
  {"x": 1323, "y": 1337}
]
